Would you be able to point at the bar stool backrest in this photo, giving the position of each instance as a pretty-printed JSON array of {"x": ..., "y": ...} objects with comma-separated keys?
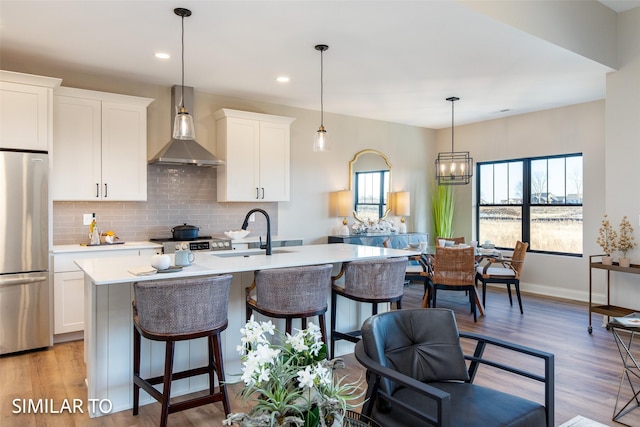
[
  {"x": 182, "y": 306},
  {"x": 376, "y": 278},
  {"x": 294, "y": 289}
]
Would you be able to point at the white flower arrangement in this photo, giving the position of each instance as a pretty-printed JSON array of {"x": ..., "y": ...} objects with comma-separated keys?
[
  {"x": 290, "y": 379},
  {"x": 370, "y": 226}
]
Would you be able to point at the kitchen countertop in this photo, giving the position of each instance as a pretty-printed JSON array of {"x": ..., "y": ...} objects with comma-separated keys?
[
  {"x": 109, "y": 319},
  {"x": 58, "y": 249},
  {"x": 105, "y": 271}
]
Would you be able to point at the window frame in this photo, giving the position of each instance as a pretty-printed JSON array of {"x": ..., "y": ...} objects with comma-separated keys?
[{"x": 527, "y": 205}]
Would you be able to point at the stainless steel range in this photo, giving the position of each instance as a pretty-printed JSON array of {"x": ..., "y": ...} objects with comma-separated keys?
[{"x": 202, "y": 243}]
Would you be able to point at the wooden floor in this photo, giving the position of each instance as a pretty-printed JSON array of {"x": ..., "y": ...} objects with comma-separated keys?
[{"x": 588, "y": 367}]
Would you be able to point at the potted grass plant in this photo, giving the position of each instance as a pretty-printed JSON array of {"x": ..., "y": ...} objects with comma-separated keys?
[{"x": 443, "y": 204}]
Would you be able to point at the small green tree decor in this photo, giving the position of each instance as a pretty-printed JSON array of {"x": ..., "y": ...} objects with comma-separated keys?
[
  {"x": 443, "y": 204},
  {"x": 607, "y": 239},
  {"x": 625, "y": 241}
]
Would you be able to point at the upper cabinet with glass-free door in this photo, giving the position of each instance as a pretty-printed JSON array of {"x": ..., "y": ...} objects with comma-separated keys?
[
  {"x": 255, "y": 149},
  {"x": 370, "y": 183},
  {"x": 99, "y": 146}
]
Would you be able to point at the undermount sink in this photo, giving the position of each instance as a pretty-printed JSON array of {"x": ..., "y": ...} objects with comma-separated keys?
[{"x": 249, "y": 252}]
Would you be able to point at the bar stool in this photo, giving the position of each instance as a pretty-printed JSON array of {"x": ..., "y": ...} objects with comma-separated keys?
[
  {"x": 291, "y": 293},
  {"x": 371, "y": 281},
  {"x": 177, "y": 310}
]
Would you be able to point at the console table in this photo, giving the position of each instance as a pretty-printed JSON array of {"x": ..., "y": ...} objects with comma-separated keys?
[
  {"x": 607, "y": 309},
  {"x": 396, "y": 241}
]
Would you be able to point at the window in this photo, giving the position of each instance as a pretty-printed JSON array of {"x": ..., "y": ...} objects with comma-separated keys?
[
  {"x": 371, "y": 194},
  {"x": 536, "y": 200}
]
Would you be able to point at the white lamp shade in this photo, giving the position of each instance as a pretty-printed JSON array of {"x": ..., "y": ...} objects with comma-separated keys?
[
  {"x": 183, "y": 127},
  {"x": 344, "y": 203},
  {"x": 402, "y": 203}
]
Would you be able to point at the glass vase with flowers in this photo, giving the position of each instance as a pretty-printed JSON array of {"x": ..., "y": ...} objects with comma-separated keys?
[{"x": 290, "y": 379}]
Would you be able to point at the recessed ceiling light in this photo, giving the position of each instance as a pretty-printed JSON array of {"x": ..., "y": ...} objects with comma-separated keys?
[
  {"x": 283, "y": 79},
  {"x": 162, "y": 55}
]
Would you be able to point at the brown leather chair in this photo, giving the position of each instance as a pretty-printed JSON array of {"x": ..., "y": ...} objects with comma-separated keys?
[
  {"x": 177, "y": 310},
  {"x": 370, "y": 281},
  {"x": 291, "y": 293}
]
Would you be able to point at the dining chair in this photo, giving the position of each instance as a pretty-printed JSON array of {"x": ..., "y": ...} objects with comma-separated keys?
[
  {"x": 455, "y": 240},
  {"x": 506, "y": 270},
  {"x": 454, "y": 269}
]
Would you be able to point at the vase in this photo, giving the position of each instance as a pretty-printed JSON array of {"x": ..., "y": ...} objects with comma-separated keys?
[
  {"x": 607, "y": 260},
  {"x": 624, "y": 262}
]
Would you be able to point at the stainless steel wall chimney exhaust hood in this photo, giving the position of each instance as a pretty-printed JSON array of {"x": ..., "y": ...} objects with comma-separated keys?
[{"x": 184, "y": 152}]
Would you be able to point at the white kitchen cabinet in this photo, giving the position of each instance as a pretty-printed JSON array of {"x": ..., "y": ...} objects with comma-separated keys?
[
  {"x": 255, "y": 148},
  {"x": 99, "y": 146},
  {"x": 68, "y": 284},
  {"x": 25, "y": 110}
]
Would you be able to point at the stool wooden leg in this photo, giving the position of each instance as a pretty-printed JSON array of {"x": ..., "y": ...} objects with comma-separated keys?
[
  {"x": 166, "y": 384},
  {"x": 304, "y": 323},
  {"x": 136, "y": 369},
  {"x": 323, "y": 327},
  {"x": 214, "y": 341},
  {"x": 334, "y": 301}
]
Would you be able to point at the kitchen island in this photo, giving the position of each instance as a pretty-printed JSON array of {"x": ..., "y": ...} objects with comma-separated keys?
[{"x": 109, "y": 321}]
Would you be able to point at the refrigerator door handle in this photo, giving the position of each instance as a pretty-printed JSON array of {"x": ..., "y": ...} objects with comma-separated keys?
[{"x": 20, "y": 280}]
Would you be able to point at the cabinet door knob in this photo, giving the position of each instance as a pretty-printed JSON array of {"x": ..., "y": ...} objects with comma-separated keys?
[
  {"x": 97, "y": 190},
  {"x": 263, "y": 192},
  {"x": 105, "y": 190},
  {"x": 257, "y": 193}
]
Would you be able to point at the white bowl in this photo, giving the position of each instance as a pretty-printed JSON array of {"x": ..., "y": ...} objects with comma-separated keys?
[{"x": 237, "y": 234}]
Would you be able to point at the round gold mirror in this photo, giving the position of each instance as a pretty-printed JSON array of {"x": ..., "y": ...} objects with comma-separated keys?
[{"x": 376, "y": 163}]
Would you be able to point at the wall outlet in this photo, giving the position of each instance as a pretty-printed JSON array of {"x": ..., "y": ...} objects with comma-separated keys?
[
  {"x": 252, "y": 217},
  {"x": 86, "y": 219}
]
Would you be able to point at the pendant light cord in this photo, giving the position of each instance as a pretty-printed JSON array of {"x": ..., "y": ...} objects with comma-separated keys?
[
  {"x": 452, "y": 102},
  {"x": 182, "y": 97},
  {"x": 321, "y": 88}
]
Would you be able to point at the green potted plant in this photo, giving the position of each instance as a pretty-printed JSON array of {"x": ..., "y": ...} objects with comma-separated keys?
[
  {"x": 443, "y": 204},
  {"x": 607, "y": 240},
  {"x": 625, "y": 241}
]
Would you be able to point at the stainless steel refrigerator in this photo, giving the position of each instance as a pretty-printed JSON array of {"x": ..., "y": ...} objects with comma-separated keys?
[{"x": 25, "y": 318}]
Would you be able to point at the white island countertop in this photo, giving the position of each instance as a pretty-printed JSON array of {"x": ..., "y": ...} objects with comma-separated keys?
[
  {"x": 104, "y": 271},
  {"x": 109, "y": 319}
]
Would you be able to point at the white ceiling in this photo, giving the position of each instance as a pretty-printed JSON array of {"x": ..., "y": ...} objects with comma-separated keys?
[{"x": 387, "y": 60}]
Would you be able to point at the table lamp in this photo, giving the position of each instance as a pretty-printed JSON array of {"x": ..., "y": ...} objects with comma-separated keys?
[
  {"x": 344, "y": 202},
  {"x": 402, "y": 208}
]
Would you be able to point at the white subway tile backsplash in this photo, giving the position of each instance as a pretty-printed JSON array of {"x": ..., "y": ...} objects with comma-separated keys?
[{"x": 175, "y": 195}]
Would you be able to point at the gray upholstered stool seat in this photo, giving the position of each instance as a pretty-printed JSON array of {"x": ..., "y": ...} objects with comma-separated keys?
[
  {"x": 291, "y": 293},
  {"x": 371, "y": 281},
  {"x": 176, "y": 310}
]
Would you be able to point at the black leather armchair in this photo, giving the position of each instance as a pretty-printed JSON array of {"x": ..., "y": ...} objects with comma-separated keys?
[{"x": 417, "y": 374}]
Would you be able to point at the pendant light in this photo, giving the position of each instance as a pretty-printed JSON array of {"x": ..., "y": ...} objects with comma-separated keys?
[
  {"x": 320, "y": 142},
  {"x": 183, "y": 127},
  {"x": 454, "y": 167}
]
